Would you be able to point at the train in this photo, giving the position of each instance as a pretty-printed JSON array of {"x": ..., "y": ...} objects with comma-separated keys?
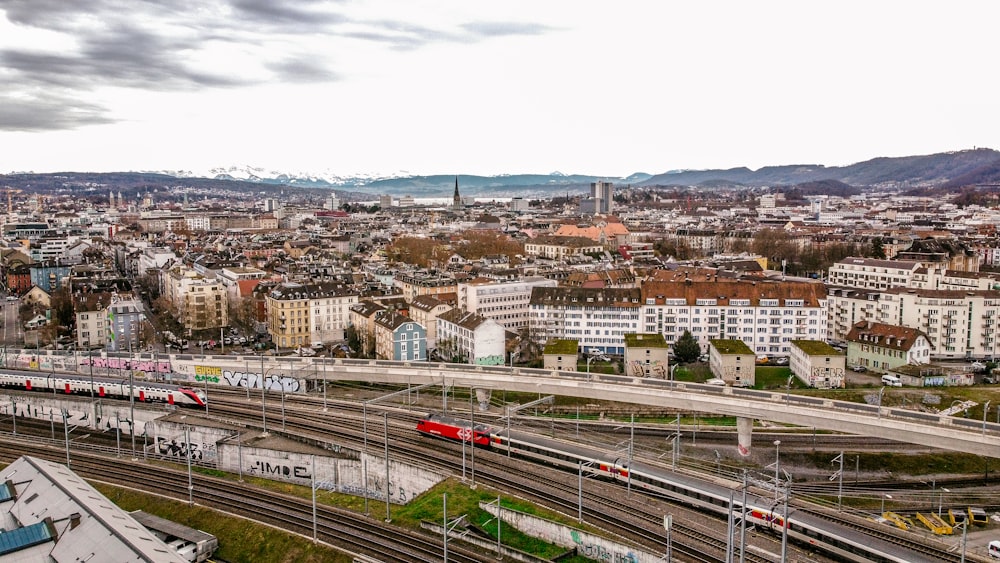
[
  {"x": 763, "y": 513},
  {"x": 113, "y": 388}
]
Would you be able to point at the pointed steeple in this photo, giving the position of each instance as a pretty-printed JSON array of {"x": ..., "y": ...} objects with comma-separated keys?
[{"x": 457, "y": 199}]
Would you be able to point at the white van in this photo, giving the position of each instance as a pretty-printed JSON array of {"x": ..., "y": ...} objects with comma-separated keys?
[
  {"x": 891, "y": 380},
  {"x": 994, "y": 549}
]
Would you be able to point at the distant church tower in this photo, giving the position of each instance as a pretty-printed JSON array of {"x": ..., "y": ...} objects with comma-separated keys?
[
  {"x": 457, "y": 199},
  {"x": 111, "y": 199}
]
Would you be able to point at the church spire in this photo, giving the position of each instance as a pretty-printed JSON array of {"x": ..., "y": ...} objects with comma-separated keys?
[{"x": 457, "y": 199}]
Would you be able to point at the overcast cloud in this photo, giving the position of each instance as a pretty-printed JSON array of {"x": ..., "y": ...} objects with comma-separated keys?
[{"x": 452, "y": 86}]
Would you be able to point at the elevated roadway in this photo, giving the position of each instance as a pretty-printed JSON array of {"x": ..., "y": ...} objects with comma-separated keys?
[
  {"x": 909, "y": 426},
  {"x": 925, "y": 429}
]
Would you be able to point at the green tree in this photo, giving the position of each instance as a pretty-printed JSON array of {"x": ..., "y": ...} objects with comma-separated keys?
[
  {"x": 877, "y": 249},
  {"x": 686, "y": 349}
]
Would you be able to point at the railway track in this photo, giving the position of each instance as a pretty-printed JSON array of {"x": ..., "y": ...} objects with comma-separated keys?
[
  {"x": 339, "y": 528},
  {"x": 638, "y": 522}
]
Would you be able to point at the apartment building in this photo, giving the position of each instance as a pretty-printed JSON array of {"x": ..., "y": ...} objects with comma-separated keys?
[
  {"x": 595, "y": 318},
  {"x": 846, "y": 307},
  {"x": 936, "y": 278},
  {"x": 300, "y": 315},
  {"x": 197, "y": 302},
  {"x": 398, "y": 337},
  {"x": 561, "y": 247},
  {"x": 425, "y": 310},
  {"x": 882, "y": 347},
  {"x": 470, "y": 338},
  {"x": 362, "y": 318},
  {"x": 817, "y": 364},
  {"x": 765, "y": 315},
  {"x": 868, "y": 273},
  {"x": 958, "y": 324},
  {"x": 505, "y": 302},
  {"x": 424, "y": 282}
]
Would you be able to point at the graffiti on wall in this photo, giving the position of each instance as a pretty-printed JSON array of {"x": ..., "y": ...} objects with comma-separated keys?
[
  {"x": 210, "y": 374},
  {"x": 598, "y": 552},
  {"x": 127, "y": 364},
  {"x": 273, "y": 382},
  {"x": 178, "y": 447},
  {"x": 490, "y": 361}
]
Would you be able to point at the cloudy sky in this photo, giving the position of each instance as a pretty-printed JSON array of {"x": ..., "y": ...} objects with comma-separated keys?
[{"x": 458, "y": 86}]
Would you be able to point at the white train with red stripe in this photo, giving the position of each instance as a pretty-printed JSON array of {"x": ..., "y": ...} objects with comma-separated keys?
[{"x": 113, "y": 388}]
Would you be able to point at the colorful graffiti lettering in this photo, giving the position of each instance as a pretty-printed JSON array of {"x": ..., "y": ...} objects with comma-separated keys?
[
  {"x": 275, "y": 382},
  {"x": 147, "y": 366}
]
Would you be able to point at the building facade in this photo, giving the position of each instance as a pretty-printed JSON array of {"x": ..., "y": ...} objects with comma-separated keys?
[
  {"x": 881, "y": 347},
  {"x": 817, "y": 364},
  {"x": 732, "y": 361},
  {"x": 505, "y": 302}
]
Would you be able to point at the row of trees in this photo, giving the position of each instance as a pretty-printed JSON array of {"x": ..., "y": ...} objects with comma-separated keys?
[
  {"x": 777, "y": 245},
  {"x": 425, "y": 252}
]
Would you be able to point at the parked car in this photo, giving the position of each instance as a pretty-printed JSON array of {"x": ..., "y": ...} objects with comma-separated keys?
[
  {"x": 859, "y": 369},
  {"x": 782, "y": 361}
]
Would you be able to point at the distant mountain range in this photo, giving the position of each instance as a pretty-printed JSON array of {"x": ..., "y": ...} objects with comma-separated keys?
[
  {"x": 981, "y": 165},
  {"x": 942, "y": 171},
  {"x": 951, "y": 169}
]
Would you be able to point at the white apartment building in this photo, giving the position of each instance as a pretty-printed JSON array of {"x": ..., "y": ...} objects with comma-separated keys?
[
  {"x": 959, "y": 324},
  {"x": 847, "y": 306},
  {"x": 153, "y": 258},
  {"x": 766, "y": 316},
  {"x": 595, "y": 318},
  {"x": 465, "y": 336},
  {"x": 505, "y": 302},
  {"x": 868, "y": 273},
  {"x": 330, "y": 311},
  {"x": 958, "y": 280}
]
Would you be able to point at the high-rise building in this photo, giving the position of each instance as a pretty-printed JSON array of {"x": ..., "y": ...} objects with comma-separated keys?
[{"x": 603, "y": 193}]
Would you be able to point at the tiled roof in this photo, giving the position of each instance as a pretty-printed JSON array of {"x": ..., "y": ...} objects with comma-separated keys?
[
  {"x": 724, "y": 291},
  {"x": 884, "y": 336},
  {"x": 585, "y": 297}
]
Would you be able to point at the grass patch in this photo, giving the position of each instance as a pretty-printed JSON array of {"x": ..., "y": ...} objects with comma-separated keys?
[
  {"x": 239, "y": 540},
  {"x": 242, "y": 541},
  {"x": 775, "y": 377},
  {"x": 693, "y": 373}
]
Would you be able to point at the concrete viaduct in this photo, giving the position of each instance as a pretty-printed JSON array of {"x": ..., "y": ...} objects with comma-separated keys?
[{"x": 977, "y": 437}]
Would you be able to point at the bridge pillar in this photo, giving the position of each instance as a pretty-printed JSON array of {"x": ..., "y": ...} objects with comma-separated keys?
[
  {"x": 744, "y": 430},
  {"x": 483, "y": 397}
]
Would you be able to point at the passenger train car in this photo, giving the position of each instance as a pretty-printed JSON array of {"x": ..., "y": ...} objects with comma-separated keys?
[
  {"x": 803, "y": 527},
  {"x": 103, "y": 387}
]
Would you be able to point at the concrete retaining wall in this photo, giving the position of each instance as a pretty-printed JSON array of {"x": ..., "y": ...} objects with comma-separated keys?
[
  {"x": 587, "y": 545},
  {"x": 339, "y": 474},
  {"x": 97, "y": 416}
]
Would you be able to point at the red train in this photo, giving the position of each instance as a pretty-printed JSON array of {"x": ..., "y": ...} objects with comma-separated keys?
[{"x": 454, "y": 429}]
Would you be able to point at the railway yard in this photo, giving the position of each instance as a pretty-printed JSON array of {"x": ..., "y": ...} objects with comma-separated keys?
[{"x": 622, "y": 511}]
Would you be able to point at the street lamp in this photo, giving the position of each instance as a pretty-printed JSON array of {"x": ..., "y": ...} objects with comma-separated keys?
[
  {"x": 884, "y": 496},
  {"x": 986, "y": 409},
  {"x": 777, "y": 466}
]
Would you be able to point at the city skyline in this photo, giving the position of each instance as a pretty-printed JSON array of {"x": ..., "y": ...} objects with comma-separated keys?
[{"x": 432, "y": 88}]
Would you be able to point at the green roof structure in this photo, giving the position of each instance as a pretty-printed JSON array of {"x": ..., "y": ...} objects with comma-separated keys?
[
  {"x": 816, "y": 348},
  {"x": 645, "y": 340},
  {"x": 726, "y": 347},
  {"x": 562, "y": 346}
]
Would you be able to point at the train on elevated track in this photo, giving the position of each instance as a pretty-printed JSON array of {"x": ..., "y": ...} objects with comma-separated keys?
[
  {"x": 763, "y": 513},
  {"x": 114, "y": 388}
]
